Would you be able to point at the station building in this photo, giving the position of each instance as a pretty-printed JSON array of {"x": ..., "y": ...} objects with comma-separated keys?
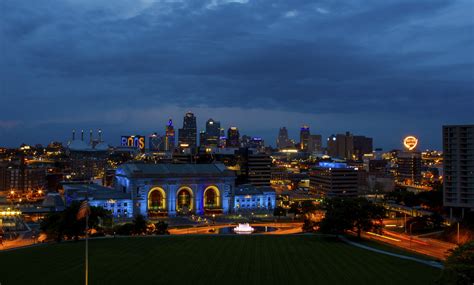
[{"x": 171, "y": 189}]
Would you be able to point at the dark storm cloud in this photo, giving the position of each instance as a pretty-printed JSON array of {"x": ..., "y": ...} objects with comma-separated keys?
[{"x": 97, "y": 63}]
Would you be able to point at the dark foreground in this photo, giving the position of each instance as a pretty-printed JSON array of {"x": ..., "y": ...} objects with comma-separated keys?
[{"x": 210, "y": 260}]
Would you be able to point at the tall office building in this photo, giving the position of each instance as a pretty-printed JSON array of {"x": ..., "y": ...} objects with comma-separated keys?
[
  {"x": 332, "y": 146},
  {"x": 213, "y": 129},
  {"x": 458, "y": 154},
  {"x": 362, "y": 145},
  {"x": 334, "y": 180},
  {"x": 169, "y": 136},
  {"x": 314, "y": 143},
  {"x": 341, "y": 146},
  {"x": 409, "y": 167},
  {"x": 222, "y": 138},
  {"x": 155, "y": 142},
  {"x": 283, "y": 140},
  {"x": 304, "y": 138},
  {"x": 255, "y": 168},
  {"x": 202, "y": 138},
  {"x": 233, "y": 137},
  {"x": 187, "y": 135}
]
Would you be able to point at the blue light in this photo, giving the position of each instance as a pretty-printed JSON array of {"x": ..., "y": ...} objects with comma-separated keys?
[{"x": 333, "y": 165}]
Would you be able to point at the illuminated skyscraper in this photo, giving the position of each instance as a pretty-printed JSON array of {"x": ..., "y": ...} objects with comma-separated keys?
[
  {"x": 187, "y": 136},
  {"x": 233, "y": 137},
  {"x": 169, "y": 136},
  {"x": 213, "y": 129},
  {"x": 304, "y": 137}
]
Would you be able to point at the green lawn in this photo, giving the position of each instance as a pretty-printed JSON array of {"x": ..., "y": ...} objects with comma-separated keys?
[{"x": 256, "y": 259}]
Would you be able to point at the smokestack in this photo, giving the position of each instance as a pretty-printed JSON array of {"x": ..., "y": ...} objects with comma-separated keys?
[
  {"x": 82, "y": 135},
  {"x": 73, "y": 134},
  {"x": 100, "y": 135},
  {"x": 90, "y": 136}
]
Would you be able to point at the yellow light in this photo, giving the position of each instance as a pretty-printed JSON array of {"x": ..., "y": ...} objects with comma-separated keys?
[
  {"x": 410, "y": 142},
  {"x": 385, "y": 237}
]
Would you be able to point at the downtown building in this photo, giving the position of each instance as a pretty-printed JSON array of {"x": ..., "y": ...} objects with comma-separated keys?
[
  {"x": 254, "y": 168},
  {"x": 233, "y": 138},
  {"x": 304, "y": 137},
  {"x": 362, "y": 145},
  {"x": 408, "y": 171},
  {"x": 283, "y": 141},
  {"x": 458, "y": 159},
  {"x": 212, "y": 134},
  {"x": 315, "y": 143},
  {"x": 341, "y": 146},
  {"x": 330, "y": 179},
  {"x": 187, "y": 135},
  {"x": 169, "y": 140}
]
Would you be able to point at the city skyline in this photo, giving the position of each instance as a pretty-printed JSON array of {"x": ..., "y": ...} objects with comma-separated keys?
[
  {"x": 113, "y": 139},
  {"x": 383, "y": 69}
]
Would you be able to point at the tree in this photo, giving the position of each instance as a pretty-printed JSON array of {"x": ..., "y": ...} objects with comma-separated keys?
[
  {"x": 279, "y": 211},
  {"x": 139, "y": 225},
  {"x": 357, "y": 214},
  {"x": 161, "y": 228},
  {"x": 58, "y": 226},
  {"x": 459, "y": 266}
]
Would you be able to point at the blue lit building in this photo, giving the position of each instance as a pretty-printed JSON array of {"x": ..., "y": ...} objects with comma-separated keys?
[
  {"x": 333, "y": 179},
  {"x": 118, "y": 203},
  {"x": 248, "y": 197},
  {"x": 173, "y": 189}
]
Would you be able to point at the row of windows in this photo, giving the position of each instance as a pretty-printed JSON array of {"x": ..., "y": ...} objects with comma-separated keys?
[{"x": 252, "y": 200}]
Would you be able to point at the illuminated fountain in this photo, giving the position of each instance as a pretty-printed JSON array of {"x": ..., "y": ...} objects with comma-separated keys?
[{"x": 243, "y": 229}]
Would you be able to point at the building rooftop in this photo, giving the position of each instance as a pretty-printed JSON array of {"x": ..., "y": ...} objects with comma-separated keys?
[
  {"x": 248, "y": 189},
  {"x": 172, "y": 170},
  {"x": 92, "y": 192}
]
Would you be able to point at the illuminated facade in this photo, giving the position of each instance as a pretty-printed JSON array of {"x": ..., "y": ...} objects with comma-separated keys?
[
  {"x": 331, "y": 179},
  {"x": 118, "y": 203},
  {"x": 248, "y": 197},
  {"x": 169, "y": 136},
  {"x": 174, "y": 189}
]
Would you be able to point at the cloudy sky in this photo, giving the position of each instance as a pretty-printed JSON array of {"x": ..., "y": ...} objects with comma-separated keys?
[{"x": 379, "y": 68}]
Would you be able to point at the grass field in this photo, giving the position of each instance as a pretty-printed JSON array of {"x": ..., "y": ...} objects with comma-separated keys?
[{"x": 257, "y": 259}]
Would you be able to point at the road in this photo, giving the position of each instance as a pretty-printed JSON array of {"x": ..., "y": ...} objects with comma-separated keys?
[
  {"x": 283, "y": 228},
  {"x": 430, "y": 247}
]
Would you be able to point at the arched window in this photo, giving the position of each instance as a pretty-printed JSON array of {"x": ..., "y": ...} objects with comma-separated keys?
[
  {"x": 156, "y": 200},
  {"x": 211, "y": 197},
  {"x": 184, "y": 201}
]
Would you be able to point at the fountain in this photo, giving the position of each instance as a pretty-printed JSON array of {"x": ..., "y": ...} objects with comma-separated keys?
[{"x": 244, "y": 229}]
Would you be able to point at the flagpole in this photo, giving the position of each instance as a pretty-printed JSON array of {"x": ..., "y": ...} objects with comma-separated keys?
[{"x": 87, "y": 251}]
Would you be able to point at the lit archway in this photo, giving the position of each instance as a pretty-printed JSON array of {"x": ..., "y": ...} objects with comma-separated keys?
[
  {"x": 212, "y": 197},
  {"x": 184, "y": 199},
  {"x": 156, "y": 200}
]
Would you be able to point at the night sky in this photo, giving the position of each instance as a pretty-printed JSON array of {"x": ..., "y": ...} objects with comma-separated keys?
[{"x": 384, "y": 69}]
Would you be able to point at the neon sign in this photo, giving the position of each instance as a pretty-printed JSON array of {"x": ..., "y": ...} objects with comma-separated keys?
[
  {"x": 410, "y": 142},
  {"x": 133, "y": 141}
]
